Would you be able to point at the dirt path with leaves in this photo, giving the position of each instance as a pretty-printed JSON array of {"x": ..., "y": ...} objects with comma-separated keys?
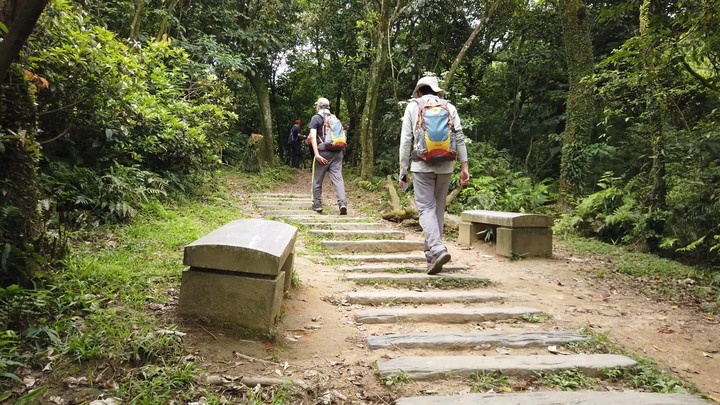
[{"x": 320, "y": 343}]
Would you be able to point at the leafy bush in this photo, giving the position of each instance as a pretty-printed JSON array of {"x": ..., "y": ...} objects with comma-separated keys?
[
  {"x": 495, "y": 185},
  {"x": 82, "y": 195}
]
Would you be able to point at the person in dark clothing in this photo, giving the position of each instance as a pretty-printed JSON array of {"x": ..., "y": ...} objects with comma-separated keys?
[{"x": 295, "y": 141}]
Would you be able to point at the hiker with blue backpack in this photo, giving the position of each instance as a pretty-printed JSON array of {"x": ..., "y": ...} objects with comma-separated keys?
[
  {"x": 430, "y": 141},
  {"x": 327, "y": 139}
]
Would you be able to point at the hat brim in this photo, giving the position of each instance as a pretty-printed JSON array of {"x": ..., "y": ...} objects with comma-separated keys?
[{"x": 440, "y": 92}]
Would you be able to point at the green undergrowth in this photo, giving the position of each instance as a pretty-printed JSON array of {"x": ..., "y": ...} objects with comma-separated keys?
[
  {"x": 659, "y": 278},
  {"x": 100, "y": 317}
]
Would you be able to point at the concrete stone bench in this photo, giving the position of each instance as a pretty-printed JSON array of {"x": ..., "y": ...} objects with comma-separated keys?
[
  {"x": 237, "y": 274},
  {"x": 515, "y": 233}
]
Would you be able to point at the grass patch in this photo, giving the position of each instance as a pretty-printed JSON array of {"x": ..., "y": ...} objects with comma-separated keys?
[
  {"x": 646, "y": 375},
  {"x": 567, "y": 380},
  {"x": 396, "y": 381},
  {"x": 92, "y": 318},
  {"x": 536, "y": 317},
  {"x": 656, "y": 277},
  {"x": 484, "y": 381}
]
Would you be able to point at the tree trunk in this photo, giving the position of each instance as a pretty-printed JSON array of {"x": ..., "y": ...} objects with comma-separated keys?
[
  {"x": 466, "y": 46},
  {"x": 135, "y": 26},
  {"x": 379, "y": 59},
  {"x": 267, "y": 147},
  {"x": 164, "y": 24},
  {"x": 580, "y": 110},
  {"x": 656, "y": 110},
  {"x": 20, "y": 17}
]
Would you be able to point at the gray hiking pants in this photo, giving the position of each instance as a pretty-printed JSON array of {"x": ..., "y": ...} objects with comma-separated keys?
[
  {"x": 430, "y": 193},
  {"x": 334, "y": 167}
]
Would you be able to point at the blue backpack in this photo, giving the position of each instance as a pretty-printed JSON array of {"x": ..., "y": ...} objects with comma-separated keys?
[
  {"x": 434, "y": 132},
  {"x": 334, "y": 136}
]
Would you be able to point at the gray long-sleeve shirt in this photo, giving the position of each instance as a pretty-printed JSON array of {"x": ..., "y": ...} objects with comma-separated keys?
[{"x": 407, "y": 141}]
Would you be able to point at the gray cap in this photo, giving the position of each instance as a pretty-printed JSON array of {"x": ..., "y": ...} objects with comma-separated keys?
[{"x": 323, "y": 102}]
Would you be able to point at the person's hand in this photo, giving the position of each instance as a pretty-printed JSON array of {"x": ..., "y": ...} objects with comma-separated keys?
[
  {"x": 403, "y": 182},
  {"x": 321, "y": 159},
  {"x": 464, "y": 177}
]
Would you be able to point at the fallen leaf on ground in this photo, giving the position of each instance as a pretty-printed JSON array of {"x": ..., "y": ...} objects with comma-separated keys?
[{"x": 666, "y": 329}]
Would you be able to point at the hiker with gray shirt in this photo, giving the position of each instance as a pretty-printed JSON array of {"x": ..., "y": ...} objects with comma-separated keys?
[
  {"x": 324, "y": 160},
  {"x": 431, "y": 176}
]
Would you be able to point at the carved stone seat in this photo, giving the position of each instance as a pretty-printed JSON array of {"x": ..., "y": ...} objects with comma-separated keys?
[
  {"x": 515, "y": 234},
  {"x": 237, "y": 274}
]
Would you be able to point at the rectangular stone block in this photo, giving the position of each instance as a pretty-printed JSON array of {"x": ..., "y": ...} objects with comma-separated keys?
[
  {"x": 524, "y": 242},
  {"x": 232, "y": 300}
]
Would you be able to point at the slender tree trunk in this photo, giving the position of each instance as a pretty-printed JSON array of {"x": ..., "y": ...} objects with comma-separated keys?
[
  {"x": 135, "y": 26},
  {"x": 468, "y": 43},
  {"x": 656, "y": 110},
  {"x": 267, "y": 150},
  {"x": 164, "y": 24},
  {"x": 20, "y": 17},
  {"x": 379, "y": 59},
  {"x": 580, "y": 110}
]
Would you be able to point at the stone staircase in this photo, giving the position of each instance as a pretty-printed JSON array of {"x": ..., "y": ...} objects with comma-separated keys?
[{"x": 418, "y": 324}]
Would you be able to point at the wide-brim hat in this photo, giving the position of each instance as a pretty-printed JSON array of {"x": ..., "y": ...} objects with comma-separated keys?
[{"x": 431, "y": 81}]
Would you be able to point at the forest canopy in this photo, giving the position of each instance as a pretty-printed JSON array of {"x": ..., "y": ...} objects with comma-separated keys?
[{"x": 602, "y": 113}]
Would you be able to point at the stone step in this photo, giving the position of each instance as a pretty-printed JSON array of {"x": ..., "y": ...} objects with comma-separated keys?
[
  {"x": 440, "y": 314},
  {"x": 448, "y": 341},
  {"x": 398, "y": 268},
  {"x": 433, "y": 367},
  {"x": 385, "y": 246},
  {"x": 558, "y": 398},
  {"x": 283, "y": 195},
  {"x": 284, "y": 205},
  {"x": 421, "y": 297},
  {"x": 279, "y": 213},
  {"x": 314, "y": 217},
  {"x": 346, "y": 225},
  {"x": 399, "y": 258},
  {"x": 415, "y": 279},
  {"x": 383, "y": 234}
]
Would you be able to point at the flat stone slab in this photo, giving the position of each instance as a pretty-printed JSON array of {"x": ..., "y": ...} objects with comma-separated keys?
[
  {"x": 288, "y": 211},
  {"x": 380, "y": 258},
  {"x": 443, "y": 341},
  {"x": 411, "y": 278},
  {"x": 433, "y": 367},
  {"x": 408, "y": 268},
  {"x": 314, "y": 217},
  {"x": 558, "y": 398},
  {"x": 384, "y": 234},
  {"x": 282, "y": 195},
  {"x": 346, "y": 225},
  {"x": 284, "y": 205},
  {"x": 421, "y": 297},
  {"x": 440, "y": 314},
  {"x": 507, "y": 219},
  {"x": 253, "y": 246},
  {"x": 385, "y": 246}
]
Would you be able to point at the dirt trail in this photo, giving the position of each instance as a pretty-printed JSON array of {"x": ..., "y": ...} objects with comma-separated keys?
[{"x": 321, "y": 344}]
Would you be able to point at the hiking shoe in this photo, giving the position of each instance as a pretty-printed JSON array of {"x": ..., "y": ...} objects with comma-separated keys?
[
  {"x": 343, "y": 209},
  {"x": 438, "y": 262},
  {"x": 317, "y": 208}
]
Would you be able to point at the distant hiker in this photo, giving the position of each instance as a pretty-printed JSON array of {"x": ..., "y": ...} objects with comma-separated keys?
[
  {"x": 295, "y": 140},
  {"x": 432, "y": 136},
  {"x": 327, "y": 139}
]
